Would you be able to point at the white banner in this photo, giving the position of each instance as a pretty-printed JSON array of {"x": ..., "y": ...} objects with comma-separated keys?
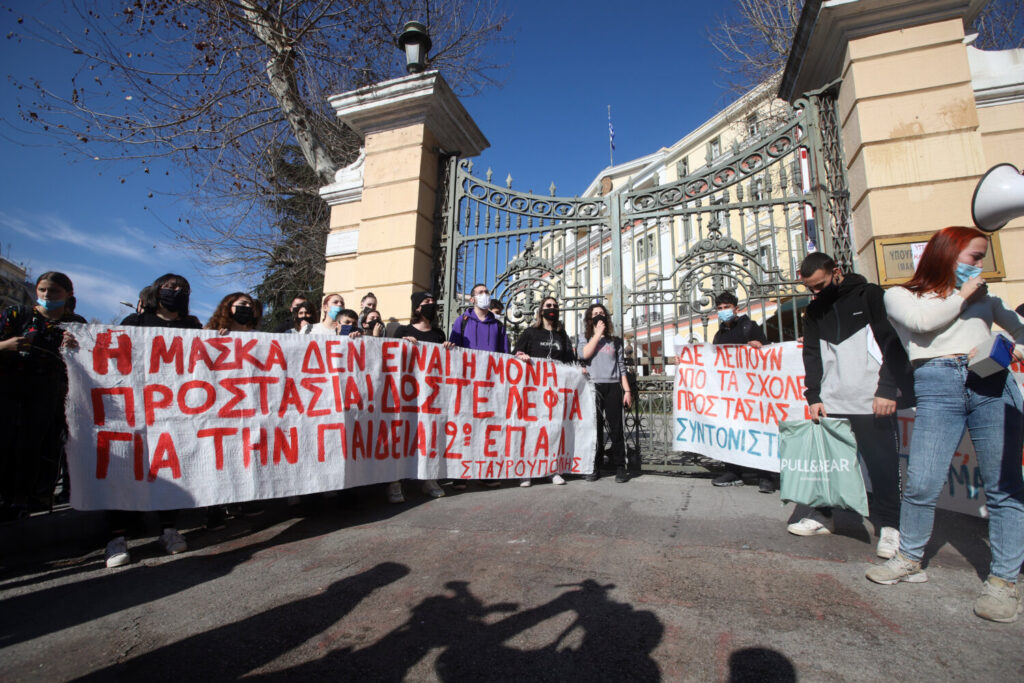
[
  {"x": 165, "y": 419},
  {"x": 728, "y": 401}
]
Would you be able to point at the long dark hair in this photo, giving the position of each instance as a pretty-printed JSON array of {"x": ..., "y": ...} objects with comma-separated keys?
[
  {"x": 539, "y": 318},
  {"x": 588, "y": 320},
  {"x": 936, "y": 269},
  {"x": 153, "y": 298}
]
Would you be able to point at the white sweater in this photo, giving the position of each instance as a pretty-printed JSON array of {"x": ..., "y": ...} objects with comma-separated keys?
[{"x": 931, "y": 326}]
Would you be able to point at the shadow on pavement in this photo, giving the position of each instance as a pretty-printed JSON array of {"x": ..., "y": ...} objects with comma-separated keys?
[
  {"x": 32, "y": 615},
  {"x": 607, "y": 640},
  {"x": 229, "y": 652},
  {"x": 757, "y": 664}
]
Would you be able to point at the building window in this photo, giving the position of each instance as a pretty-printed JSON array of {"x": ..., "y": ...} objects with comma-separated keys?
[
  {"x": 757, "y": 189},
  {"x": 644, "y": 248},
  {"x": 583, "y": 276},
  {"x": 606, "y": 265},
  {"x": 752, "y": 126},
  {"x": 714, "y": 149},
  {"x": 687, "y": 229}
]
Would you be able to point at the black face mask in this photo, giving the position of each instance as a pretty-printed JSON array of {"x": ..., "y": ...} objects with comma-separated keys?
[
  {"x": 243, "y": 316},
  {"x": 600, "y": 319},
  {"x": 371, "y": 325},
  {"x": 428, "y": 311},
  {"x": 550, "y": 314},
  {"x": 829, "y": 293},
  {"x": 175, "y": 301}
]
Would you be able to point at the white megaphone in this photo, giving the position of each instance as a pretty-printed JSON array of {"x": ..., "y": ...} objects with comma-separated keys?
[{"x": 998, "y": 198}]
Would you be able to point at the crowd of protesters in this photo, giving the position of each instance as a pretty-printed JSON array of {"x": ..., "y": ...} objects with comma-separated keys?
[{"x": 866, "y": 353}]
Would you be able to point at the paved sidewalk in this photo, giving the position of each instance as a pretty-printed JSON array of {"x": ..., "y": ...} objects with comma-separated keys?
[{"x": 663, "y": 578}]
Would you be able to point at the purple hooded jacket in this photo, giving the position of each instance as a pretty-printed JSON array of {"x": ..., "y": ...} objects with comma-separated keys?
[{"x": 469, "y": 332}]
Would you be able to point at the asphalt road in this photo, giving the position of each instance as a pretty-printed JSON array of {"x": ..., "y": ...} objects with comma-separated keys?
[{"x": 662, "y": 578}]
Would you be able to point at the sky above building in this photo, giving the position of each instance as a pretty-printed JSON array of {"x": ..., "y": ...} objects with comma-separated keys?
[{"x": 652, "y": 62}]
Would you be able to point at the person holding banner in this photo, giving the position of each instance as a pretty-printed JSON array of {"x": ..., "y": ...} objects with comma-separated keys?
[
  {"x": 421, "y": 328},
  {"x": 167, "y": 307},
  {"x": 237, "y": 312},
  {"x": 739, "y": 329},
  {"x": 33, "y": 384},
  {"x": 479, "y": 329},
  {"x": 545, "y": 338},
  {"x": 601, "y": 353},
  {"x": 422, "y": 325},
  {"x": 855, "y": 368},
  {"x": 943, "y": 314}
]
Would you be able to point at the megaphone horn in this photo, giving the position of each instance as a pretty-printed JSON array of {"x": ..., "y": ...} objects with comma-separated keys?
[{"x": 998, "y": 198}]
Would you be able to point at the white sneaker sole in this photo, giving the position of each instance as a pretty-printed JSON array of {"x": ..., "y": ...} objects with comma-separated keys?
[
  {"x": 919, "y": 577},
  {"x": 118, "y": 560},
  {"x": 804, "y": 531},
  {"x": 1008, "y": 620}
]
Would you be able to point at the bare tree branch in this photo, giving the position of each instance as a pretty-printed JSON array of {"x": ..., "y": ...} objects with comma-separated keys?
[{"x": 229, "y": 91}]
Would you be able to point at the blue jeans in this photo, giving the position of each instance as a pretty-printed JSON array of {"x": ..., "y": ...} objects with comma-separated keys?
[{"x": 950, "y": 399}]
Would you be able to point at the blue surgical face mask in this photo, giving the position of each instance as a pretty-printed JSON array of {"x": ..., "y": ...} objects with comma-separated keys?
[
  {"x": 964, "y": 272},
  {"x": 334, "y": 312},
  {"x": 51, "y": 304},
  {"x": 725, "y": 315}
]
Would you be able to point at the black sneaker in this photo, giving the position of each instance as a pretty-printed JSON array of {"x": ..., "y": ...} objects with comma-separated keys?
[
  {"x": 730, "y": 478},
  {"x": 620, "y": 476},
  {"x": 591, "y": 477},
  {"x": 215, "y": 517},
  {"x": 766, "y": 485}
]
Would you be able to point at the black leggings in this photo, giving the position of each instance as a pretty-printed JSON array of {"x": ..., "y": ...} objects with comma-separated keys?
[
  {"x": 609, "y": 408},
  {"x": 878, "y": 444}
]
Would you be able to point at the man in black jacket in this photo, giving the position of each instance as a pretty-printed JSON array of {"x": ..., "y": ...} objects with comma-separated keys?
[
  {"x": 739, "y": 329},
  {"x": 854, "y": 368}
]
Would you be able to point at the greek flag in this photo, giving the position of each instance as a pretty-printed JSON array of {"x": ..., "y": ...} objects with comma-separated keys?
[{"x": 611, "y": 128}]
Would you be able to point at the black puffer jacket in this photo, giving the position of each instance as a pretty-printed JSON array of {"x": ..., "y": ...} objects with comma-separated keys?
[{"x": 845, "y": 332}]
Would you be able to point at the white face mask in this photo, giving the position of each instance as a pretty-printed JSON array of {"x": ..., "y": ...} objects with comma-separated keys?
[{"x": 482, "y": 300}]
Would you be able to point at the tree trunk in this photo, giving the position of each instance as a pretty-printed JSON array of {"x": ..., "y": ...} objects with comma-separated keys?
[{"x": 284, "y": 88}]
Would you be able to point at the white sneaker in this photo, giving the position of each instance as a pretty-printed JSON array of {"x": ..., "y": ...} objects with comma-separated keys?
[
  {"x": 897, "y": 568},
  {"x": 173, "y": 542},
  {"x": 888, "y": 542},
  {"x": 117, "y": 552},
  {"x": 395, "y": 492},
  {"x": 557, "y": 480},
  {"x": 526, "y": 482},
  {"x": 432, "y": 488},
  {"x": 815, "y": 525}
]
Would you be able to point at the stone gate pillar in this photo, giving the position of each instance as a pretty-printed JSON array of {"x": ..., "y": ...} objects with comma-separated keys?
[
  {"x": 914, "y": 140},
  {"x": 382, "y": 206}
]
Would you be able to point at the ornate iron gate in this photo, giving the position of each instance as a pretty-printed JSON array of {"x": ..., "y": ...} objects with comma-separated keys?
[{"x": 657, "y": 256}]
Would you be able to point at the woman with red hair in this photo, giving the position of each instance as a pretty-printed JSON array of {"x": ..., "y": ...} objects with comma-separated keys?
[{"x": 942, "y": 315}]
